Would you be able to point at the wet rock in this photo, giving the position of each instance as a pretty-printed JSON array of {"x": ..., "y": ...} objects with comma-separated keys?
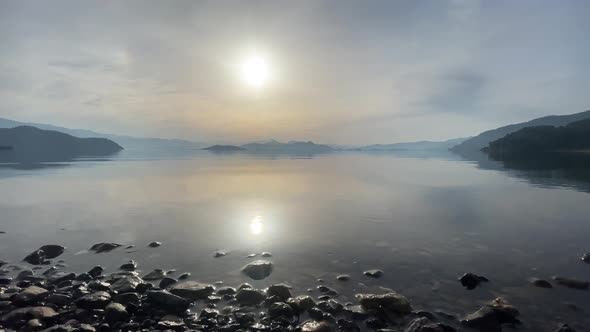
[
  {"x": 171, "y": 322},
  {"x": 572, "y": 283},
  {"x": 565, "y": 328},
  {"x": 281, "y": 291},
  {"x": 540, "y": 283},
  {"x": 304, "y": 302},
  {"x": 52, "y": 250},
  {"x": 423, "y": 324},
  {"x": 34, "y": 325},
  {"x": 327, "y": 290},
  {"x": 129, "y": 266},
  {"x": 104, "y": 247},
  {"x": 59, "y": 299},
  {"x": 4, "y": 281},
  {"x": 30, "y": 295},
  {"x": 250, "y": 297},
  {"x": 226, "y": 291},
  {"x": 192, "y": 290},
  {"x": 24, "y": 275},
  {"x": 126, "y": 284},
  {"x": 168, "y": 301},
  {"x": 315, "y": 326},
  {"x": 154, "y": 244},
  {"x": 492, "y": 316},
  {"x": 97, "y": 285},
  {"x": 60, "y": 276},
  {"x": 373, "y": 273},
  {"x": 155, "y": 275},
  {"x": 96, "y": 300},
  {"x": 127, "y": 298},
  {"x": 219, "y": 253},
  {"x": 167, "y": 282},
  {"x": 21, "y": 314},
  {"x": 115, "y": 312},
  {"x": 356, "y": 312},
  {"x": 83, "y": 277},
  {"x": 37, "y": 257},
  {"x": 258, "y": 269},
  {"x": 586, "y": 258},
  {"x": 266, "y": 254},
  {"x": 279, "y": 309},
  {"x": 330, "y": 306},
  {"x": 184, "y": 276},
  {"x": 343, "y": 277},
  {"x": 470, "y": 280},
  {"x": 391, "y": 301},
  {"x": 96, "y": 271}
]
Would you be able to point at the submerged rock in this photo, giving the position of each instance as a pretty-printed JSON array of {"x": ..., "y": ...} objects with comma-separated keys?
[
  {"x": 104, "y": 247},
  {"x": 391, "y": 301},
  {"x": 96, "y": 271},
  {"x": 37, "y": 257},
  {"x": 184, "y": 276},
  {"x": 470, "y": 280},
  {"x": 540, "y": 283},
  {"x": 373, "y": 273},
  {"x": 154, "y": 244},
  {"x": 155, "y": 275},
  {"x": 258, "y": 269},
  {"x": 572, "y": 283},
  {"x": 52, "y": 250},
  {"x": 129, "y": 266},
  {"x": 343, "y": 277},
  {"x": 219, "y": 253},
  {"x": 586, "y": 258},
  {"x": 167, "y": 282},
  {"x": 192, "y": 290}
]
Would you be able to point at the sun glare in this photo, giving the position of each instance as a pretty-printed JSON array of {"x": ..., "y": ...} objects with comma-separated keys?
[
  {"x": 256, "y": 225},
  {"x": 255, "y": 71}
]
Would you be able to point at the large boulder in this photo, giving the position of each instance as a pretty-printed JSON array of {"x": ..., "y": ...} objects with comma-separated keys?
[
  {"x": 391, "y": 301},
  {"x": 192, "y": 290},
  {"x": 258, "y": 269}
]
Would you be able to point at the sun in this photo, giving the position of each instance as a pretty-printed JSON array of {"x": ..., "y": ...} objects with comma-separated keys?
[{"x": 255, "y": 71}]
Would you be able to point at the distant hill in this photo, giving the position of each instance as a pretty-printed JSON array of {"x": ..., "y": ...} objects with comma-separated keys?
[
  {"x": 482, "y": 140},
  {"x": 28, "y": 144},
  {"x": 422, "y": 145},
  {"x": 224, "y": 148},
  {"x": 125, "y": 141},
  {"x": 533, "y": 140},
  {"x": 290, "y": 147}
]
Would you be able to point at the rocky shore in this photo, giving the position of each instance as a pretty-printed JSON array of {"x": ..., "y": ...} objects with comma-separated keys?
[{"x": 36, "y": 295}]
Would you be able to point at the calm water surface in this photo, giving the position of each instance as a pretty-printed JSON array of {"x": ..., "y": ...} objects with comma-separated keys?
[{"x": 424, "y": 221}]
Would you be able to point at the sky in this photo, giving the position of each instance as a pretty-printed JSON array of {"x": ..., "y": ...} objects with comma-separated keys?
[{"x": 340, "y": 72}]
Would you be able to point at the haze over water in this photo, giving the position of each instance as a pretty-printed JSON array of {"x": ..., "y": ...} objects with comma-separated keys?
[{"x": 423, "y": 221}]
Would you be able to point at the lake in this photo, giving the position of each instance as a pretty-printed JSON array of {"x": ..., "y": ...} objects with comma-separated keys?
[{"x": 424, "y": 220}]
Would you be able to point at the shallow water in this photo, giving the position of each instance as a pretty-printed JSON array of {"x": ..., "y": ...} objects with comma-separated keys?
[{"x": 424, "y": 221}]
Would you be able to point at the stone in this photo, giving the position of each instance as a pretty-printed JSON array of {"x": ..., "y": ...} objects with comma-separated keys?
[
  {"x": 250, "y": 297},
  {"x": 184, "y": 276},
  {"x": 330, "y": 306},
  {"x": 96, "y": 300},
  {"x": 115, "y": 312},
  {"x": 60, "y": 276},
  {"x": 565, "y": 328},
  {"x": 171, "y": 322},
  {"x": 540, "y": 283},
  {"x": 192, "y": 290},
  {"x": 304, "y": 302},
  {"x": 30, "y": 295},
  {"x": 278, "y": 309},
  {"x": 37, "y": 257},
  {"x": 343, "y": 277},
  {"x": 96, "y": 271},
  {"x": 314, "y": 326},
  {"x": 154, "y": 244},
  {"x": 129, "y": 266},
  {"x": 52, "y": 250},
  {"x": 104, "y": 247},
  {"x": 266, "y": 254},
  {"x": 258, "y": 269},
  {"x": 219, "y": 253},
  {"x": 155, "y": 275},
  {"x": 423, "y": 324},
  {"x": 586, "y": 258},
  {"x": 282, "y": 291},
  {"x": 391, "y": 301},
  {"x": 167, "y": 282},
  {"x": 572, "y": 283},
  {"x": 327, "y": 290},
  {"x": 127, "y": 298},
  {"x": 470, "y": 280},
  {"x": 59, "y": 299},
  {"x": 42, "y": 313},
  {"x": 492, "y": 316},
  {"x": 168, "y": 301},
  {"x": 226, "y": 291},
  {"x": 373, "y": 273}
]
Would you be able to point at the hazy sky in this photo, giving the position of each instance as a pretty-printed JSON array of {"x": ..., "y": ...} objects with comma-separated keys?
[{"x": 341, "y": 71}]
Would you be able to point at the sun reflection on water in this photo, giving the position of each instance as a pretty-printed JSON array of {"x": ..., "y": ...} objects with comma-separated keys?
[{"x": 256, "y": 225}]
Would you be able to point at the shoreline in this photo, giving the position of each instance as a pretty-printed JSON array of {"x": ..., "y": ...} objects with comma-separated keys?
[{"x": 40, "y": 296}]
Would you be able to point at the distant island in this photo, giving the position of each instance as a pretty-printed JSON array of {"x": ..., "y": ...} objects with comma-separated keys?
[
  {"x": 224, "y": 148},
  {"x": 540, "y": 139},
  {"x": 31, "y": 144},
  {"x": 272, "y": 146}
]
